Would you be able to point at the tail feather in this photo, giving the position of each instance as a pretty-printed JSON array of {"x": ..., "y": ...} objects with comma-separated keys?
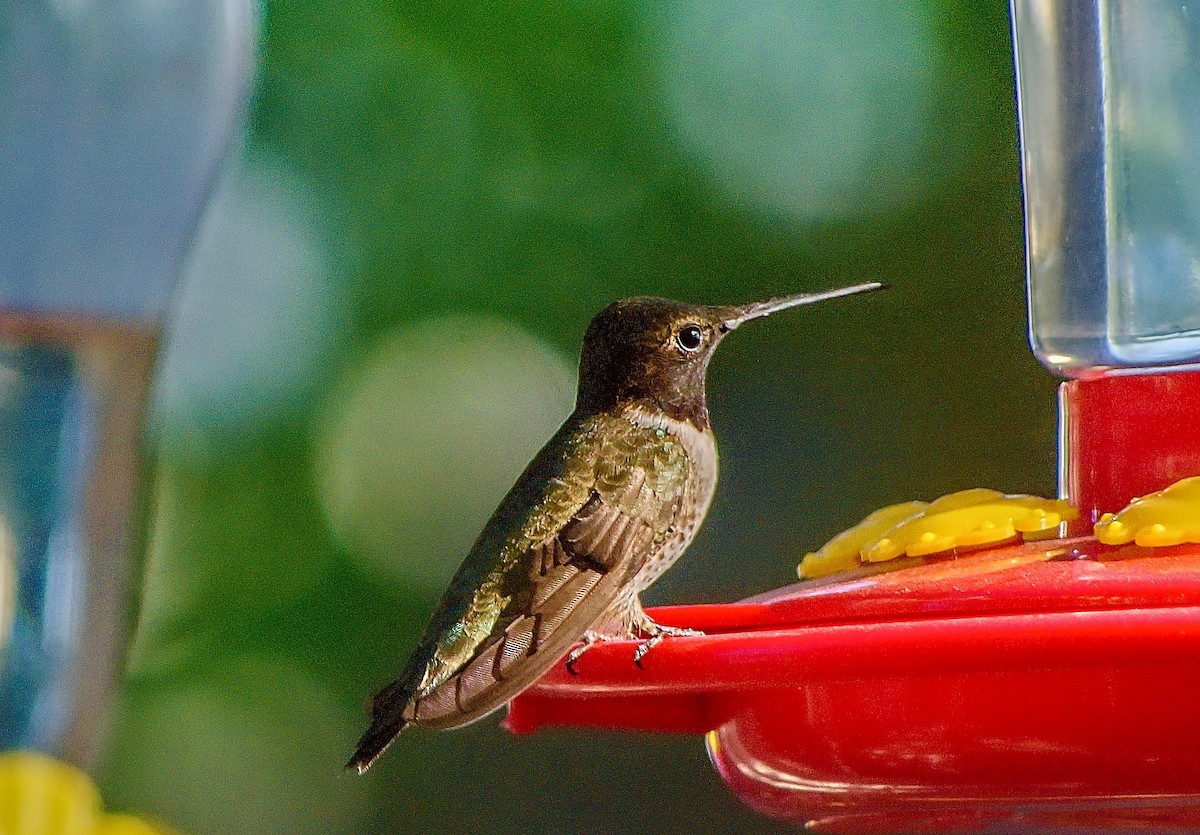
[{"x": 387, "y": 721}]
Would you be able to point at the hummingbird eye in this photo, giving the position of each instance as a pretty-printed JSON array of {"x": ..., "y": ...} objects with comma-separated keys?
[{"x": 690, "y": 338}]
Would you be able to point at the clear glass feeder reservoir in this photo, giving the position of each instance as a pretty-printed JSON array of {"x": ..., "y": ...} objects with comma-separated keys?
[{"x": 1109, "y": 101}]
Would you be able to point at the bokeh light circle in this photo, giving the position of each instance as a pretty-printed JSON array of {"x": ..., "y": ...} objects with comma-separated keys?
[
  {"x": 259, "y": 314},
  {"x": 418, "y": 446},
  {"x": 809, "y": 111}
]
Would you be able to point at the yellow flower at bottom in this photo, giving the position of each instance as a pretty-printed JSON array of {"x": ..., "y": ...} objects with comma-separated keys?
[{"x": 40, "y": 795}]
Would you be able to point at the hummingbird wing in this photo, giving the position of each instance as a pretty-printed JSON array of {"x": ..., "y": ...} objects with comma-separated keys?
[{"x": 587, "y": 514}]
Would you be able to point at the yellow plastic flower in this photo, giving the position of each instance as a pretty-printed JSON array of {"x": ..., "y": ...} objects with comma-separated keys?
[
  {"x": 1168, "y": 517},
  {"x": 975, "y": 518},
  {"x": 844, "y": 551},
  {"x": 40, "y": 795}
]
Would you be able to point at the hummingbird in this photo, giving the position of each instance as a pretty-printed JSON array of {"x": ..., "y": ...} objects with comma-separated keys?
[{"x": 608, "y": 505}]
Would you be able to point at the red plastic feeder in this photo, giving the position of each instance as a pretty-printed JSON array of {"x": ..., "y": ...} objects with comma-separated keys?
[{"x": 1051, "y": 684}]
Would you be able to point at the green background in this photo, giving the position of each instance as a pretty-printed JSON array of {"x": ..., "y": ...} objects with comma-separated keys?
[{"x": 381, "y": 319}]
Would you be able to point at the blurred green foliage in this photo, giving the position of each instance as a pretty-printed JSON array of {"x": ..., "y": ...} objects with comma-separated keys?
[{"x": 431, "y": 188}]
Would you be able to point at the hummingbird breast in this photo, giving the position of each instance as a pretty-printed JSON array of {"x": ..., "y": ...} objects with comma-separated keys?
[{"x": 701, "y": 447}]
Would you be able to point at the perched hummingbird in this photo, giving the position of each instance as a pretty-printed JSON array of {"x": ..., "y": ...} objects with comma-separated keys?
[{"x": 599, "y": 514}]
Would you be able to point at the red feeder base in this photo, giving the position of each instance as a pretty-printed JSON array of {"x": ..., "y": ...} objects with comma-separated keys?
[{"x": 987, "y": 690}]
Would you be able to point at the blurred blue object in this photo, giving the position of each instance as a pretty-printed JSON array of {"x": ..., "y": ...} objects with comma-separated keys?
[
  {"x": 40, "y": 479},
  {"x": 116, "y": 116}
]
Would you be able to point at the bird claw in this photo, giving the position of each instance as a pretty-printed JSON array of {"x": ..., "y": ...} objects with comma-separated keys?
[
  {"x": 590, "y": 639},
  {"x": 659, "y": 634},
  {"x": 574, "y": 655},
  {"x": 643, "y": 649}
]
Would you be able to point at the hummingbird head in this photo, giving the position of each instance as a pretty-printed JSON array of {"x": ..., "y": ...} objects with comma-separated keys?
[{"x": 655, "y": 352}]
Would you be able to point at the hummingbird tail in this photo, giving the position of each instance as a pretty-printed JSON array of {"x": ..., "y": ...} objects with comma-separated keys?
[{"x": 387, "y": 721}]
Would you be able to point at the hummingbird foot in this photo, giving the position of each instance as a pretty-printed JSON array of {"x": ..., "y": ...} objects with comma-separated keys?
[
  {"x": 590, "y": 639},
  {"x": 658, "y": 633}
]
